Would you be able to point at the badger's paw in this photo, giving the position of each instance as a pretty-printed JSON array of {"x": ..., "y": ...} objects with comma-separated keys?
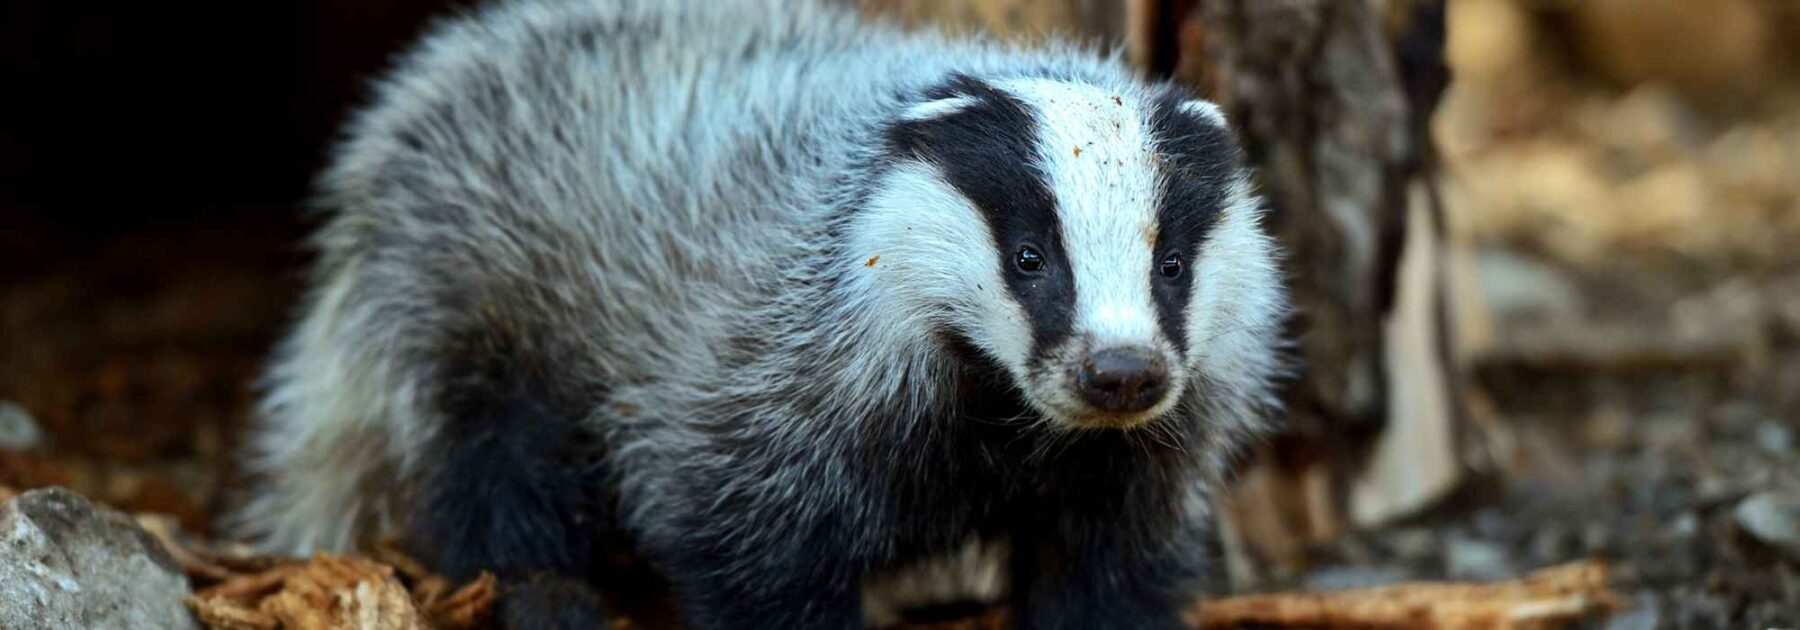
[{"x": 552, "y": 603}]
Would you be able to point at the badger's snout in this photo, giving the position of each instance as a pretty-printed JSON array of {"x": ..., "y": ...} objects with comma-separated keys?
[{"x": 1123, "y": 380}]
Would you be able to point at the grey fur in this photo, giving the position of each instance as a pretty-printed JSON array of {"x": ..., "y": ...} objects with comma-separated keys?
[{"x": 643, "y": 202}]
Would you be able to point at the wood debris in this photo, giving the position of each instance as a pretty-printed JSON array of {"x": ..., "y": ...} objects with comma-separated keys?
[
  {"x": 330, "y": 591},
  {"x": 444, "y": 604},
  {"x": 204, "y": 563},
  {"x": 385, "y": 591},
  {"x": 1554, "y": 597}
]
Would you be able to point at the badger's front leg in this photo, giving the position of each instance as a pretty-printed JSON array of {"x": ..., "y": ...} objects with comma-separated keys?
[
  {"x": 791, "y": 593},
  {"x": 510, "y": 488},
  {"x": 767, "y": 542},
  {"x": 1091, "y": 566}
]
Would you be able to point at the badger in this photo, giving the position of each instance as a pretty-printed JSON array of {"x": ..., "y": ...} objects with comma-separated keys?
[{"x": 772, "y": 306}]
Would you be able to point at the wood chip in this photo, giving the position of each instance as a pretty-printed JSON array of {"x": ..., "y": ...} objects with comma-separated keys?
[
  {"x": 387, "y": 590},
  {"x": 224, "y": 614},
  {"x": 336, "y": 591},
  {"x": 389, "y": 552},
  {"x": 470, "y": 607},
  {"x": 250, "y": 587},
  {"x": 166, "y": 530}
]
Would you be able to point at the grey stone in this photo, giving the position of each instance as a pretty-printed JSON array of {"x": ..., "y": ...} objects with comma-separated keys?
[
  {"x": 1470, "y": 559},
  {"x": 1349, "y": 577},
  {"x": 1775, "y": 438},
  {"x": 1412, "y": 543},
  {"x": 1684, "y": 526},
  {"x": 1773, "y": 519},
  {"x": 1596, "y": 537},
  {"x": 1553, "y": 543},
  {"x": 1641, "y": 618},
  {"x": 18, "y": 431},
  {"x": 1717, "y": 491},
  {"x": 1520, "y": 288},
  {"x": 66, "y": 563}
]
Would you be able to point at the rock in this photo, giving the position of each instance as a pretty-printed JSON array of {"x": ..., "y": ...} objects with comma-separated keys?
[
  {"x": 1412, "y": 544},
  {"x": 1684, "y": 527},
  {"x": 1470, "y": 559},
  {"x": 1775, "y": 438},
  {"x": 1596, "y": 537},
  {"x": 1348, "y": 577},
  {"x": 66, "y": 563},
  {"x": 1773, "y": 519},
  {"x": 1490, "y": 523},
  {"x": 1553, "y": 542},
  {"x": 1713, "y": 492},
  {"x": 1641, "y": 618},
  {"x": 1524, "y": 290},
  {"x": 18, "y": 431}
]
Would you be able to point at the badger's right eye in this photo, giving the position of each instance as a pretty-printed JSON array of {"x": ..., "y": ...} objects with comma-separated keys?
[{"x": 1028, "y": 259}]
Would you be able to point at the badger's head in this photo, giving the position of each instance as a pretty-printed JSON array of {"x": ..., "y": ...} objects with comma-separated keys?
[{"x": 1099, "y": 244}]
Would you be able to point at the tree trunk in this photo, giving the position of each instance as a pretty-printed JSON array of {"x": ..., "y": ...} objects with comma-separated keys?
[{"x": 1331, "y": 100}]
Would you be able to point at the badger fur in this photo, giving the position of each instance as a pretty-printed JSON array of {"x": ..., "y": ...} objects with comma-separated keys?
[{"x": 779, "y": 303}]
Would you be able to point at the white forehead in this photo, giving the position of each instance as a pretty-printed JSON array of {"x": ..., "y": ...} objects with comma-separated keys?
[
  {"x": 1100, "y": 132},
  {"x": 1099, "y": 158}
]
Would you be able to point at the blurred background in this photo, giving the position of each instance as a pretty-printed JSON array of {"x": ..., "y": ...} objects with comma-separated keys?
[{"x": 1547, "y": 255}]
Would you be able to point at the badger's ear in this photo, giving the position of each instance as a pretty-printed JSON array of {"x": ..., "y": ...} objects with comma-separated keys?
[
  {"x": 1205, "y": 110},
  {"x": 938, "y": 108},
  {"x": 957, "y": 93}
]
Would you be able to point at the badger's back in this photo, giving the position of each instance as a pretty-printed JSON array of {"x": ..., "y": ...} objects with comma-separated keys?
[
  {"x": 591, "y": 191},
  {"x": 599, "y": 160}
]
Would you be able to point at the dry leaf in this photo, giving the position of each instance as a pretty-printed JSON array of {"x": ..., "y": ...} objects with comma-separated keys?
[{"x": 336, "y": 591}]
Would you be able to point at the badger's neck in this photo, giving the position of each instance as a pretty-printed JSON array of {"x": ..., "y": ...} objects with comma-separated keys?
[
  {"x": 850, "y": 334},
  {"x": 844, "y": 355}
]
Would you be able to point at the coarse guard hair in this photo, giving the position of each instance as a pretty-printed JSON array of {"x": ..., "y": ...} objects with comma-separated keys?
[{"x": 776, "y": 310}]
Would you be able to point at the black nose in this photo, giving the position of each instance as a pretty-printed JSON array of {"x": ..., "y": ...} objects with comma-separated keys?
[{"x": 1123, "y": 379}]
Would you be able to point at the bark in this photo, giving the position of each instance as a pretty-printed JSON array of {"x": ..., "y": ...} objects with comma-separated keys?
[{"x": 1331, "y": 99}]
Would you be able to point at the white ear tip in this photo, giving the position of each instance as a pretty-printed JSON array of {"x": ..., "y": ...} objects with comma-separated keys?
[
  {"x": 938, "y": 108},
  {"x": 1205, "y": 109}
]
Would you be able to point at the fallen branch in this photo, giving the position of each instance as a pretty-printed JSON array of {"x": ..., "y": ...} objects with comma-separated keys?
[{"x": 1552, "y": 597}]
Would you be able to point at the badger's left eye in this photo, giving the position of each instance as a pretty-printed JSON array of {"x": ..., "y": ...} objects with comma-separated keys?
[
  {"x": 1170, "y": 266},
  {"x": 1028, "y": 260}
]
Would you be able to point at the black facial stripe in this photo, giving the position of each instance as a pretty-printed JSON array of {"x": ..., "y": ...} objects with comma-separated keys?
[
  {"x": 988, "y": 151},
  {"x": 1198, "y": 163}
]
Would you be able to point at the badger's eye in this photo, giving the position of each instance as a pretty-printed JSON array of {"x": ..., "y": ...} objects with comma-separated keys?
[
  {"x": 1028, "y": 259},
  {"x": 1170, "y": 266}
]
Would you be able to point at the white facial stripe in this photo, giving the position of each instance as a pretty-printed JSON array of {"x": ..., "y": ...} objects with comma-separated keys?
[
  {"x": 935, "y": 247},
  {"x": 1237, "y": 286},
  {"x": 1099, "y": 159},
  {"x": 934, "y": 109},
  {"x": 1206, "y": 110}
]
